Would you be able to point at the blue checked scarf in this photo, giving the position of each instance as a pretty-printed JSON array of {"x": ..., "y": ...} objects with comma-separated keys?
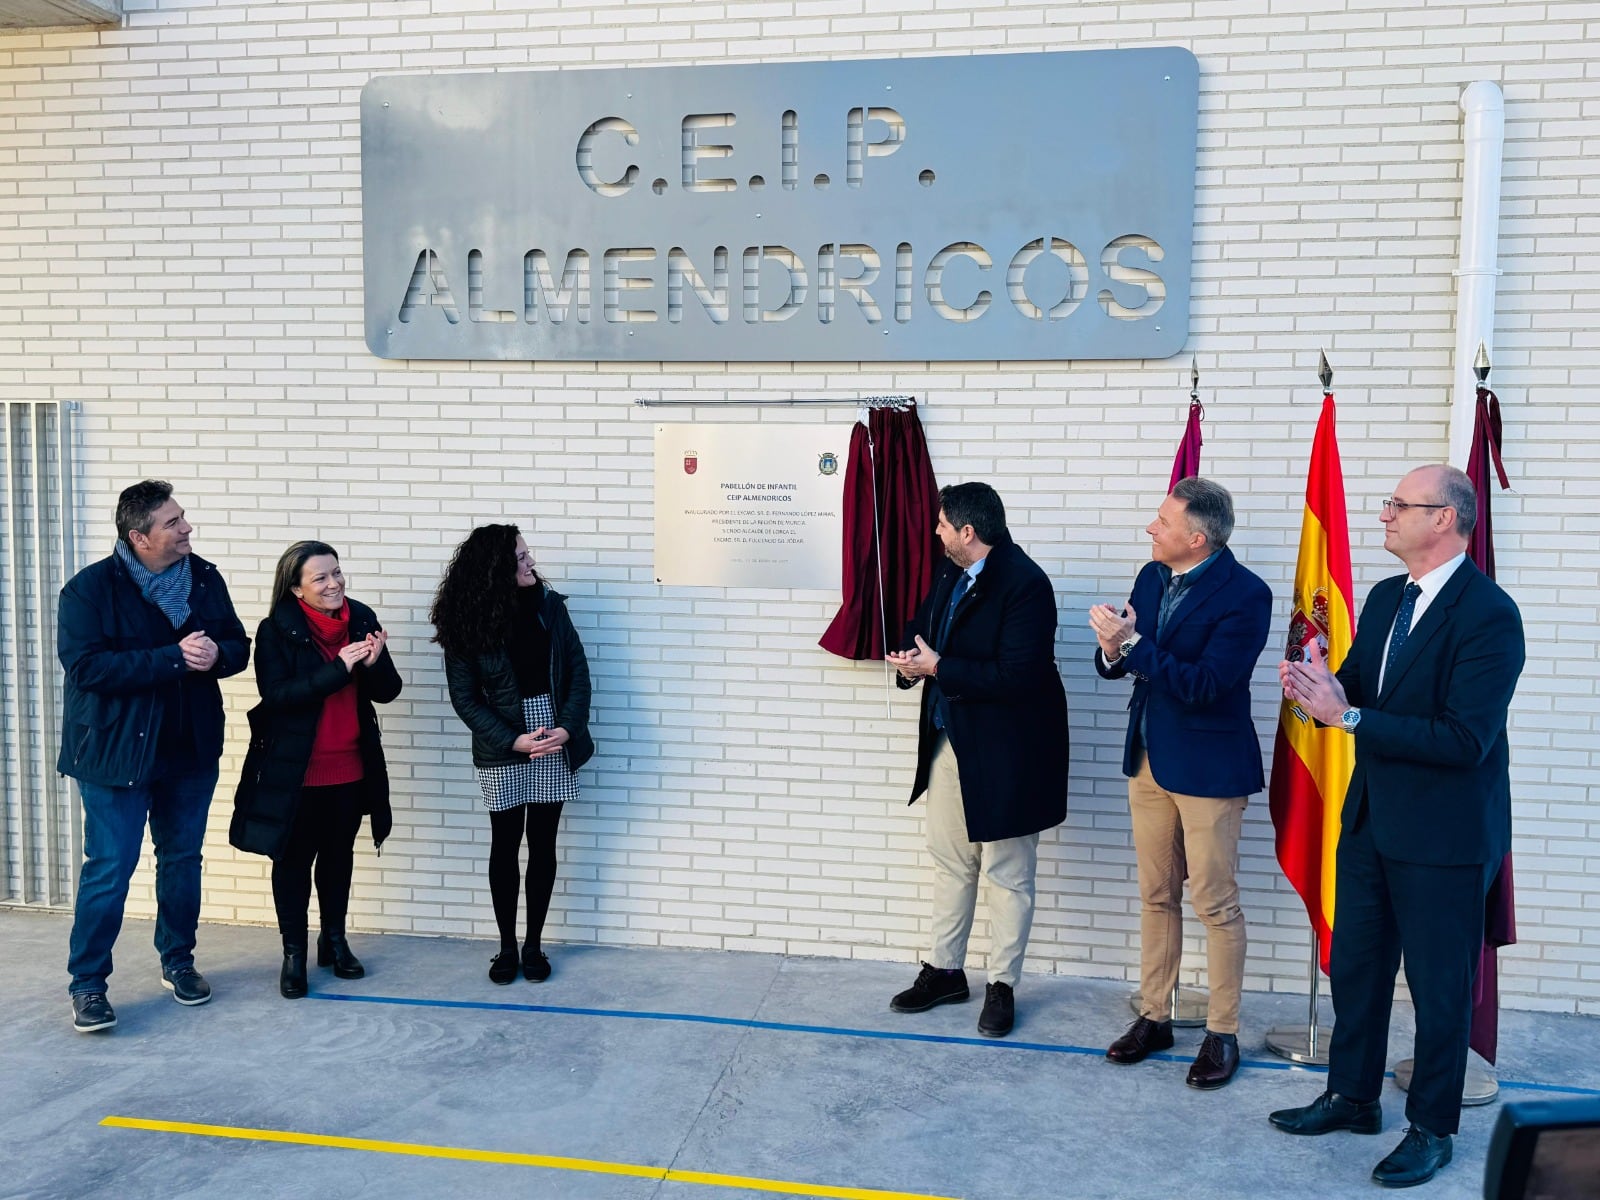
[{"x": 168, "y": 591}]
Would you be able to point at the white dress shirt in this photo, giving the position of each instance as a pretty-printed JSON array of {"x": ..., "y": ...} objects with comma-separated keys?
[{"x": 1431, "y": 584}]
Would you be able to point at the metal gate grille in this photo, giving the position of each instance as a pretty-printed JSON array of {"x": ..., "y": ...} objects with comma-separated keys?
[{"x": 39, "y": 822}]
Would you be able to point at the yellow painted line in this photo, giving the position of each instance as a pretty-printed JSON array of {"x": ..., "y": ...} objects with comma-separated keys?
[{"x": 549, "y": 1161}]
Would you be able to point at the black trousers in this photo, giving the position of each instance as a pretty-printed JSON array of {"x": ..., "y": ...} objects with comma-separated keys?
[
  {"x": 322, "y": 839},
  {"x": 538, "y": 822},
  {"x": 1432, "y": 916}
]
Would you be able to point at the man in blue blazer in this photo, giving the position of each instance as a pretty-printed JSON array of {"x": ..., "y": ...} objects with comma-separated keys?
[
  {"x": 1426, "y": 823},
  {"x": 1189, "y": 635}
]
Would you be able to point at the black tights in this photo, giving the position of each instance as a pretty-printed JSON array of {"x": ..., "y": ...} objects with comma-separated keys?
[
  {"x": 505, "y": 851},
  {"x": 324, "y": 832}
]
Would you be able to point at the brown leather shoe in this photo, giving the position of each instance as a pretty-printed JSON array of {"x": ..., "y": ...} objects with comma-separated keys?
[
  {"x": 1144, "y": 1038},
  {"x": 1216, "y": 1063}
]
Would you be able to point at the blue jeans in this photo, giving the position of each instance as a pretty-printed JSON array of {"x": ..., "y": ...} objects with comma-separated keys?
[{"x": 113, "y": 833}]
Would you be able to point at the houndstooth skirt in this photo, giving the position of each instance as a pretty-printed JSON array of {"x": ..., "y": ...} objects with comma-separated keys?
[{"x": 546, "y": 780}]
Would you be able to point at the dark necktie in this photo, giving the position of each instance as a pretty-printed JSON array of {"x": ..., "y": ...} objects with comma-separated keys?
[
  {"x": 1169, "y": 600},
  {"x": 956, "y": 593},
  {"x": 1402, "y": 625}
]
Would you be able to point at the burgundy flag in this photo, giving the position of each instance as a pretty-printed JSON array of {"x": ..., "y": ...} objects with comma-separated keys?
[
  {"x": 1187, "y": 462},
  {"x": 1500, "y": 924}
]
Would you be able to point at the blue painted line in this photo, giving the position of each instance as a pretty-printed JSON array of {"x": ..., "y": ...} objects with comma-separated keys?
[
  {"x": 844, "y": 1031},
  {"x": 1521, "y": 1086}
]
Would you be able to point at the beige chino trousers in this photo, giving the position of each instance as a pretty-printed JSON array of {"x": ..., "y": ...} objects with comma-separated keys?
[
  {"x": 1007, "y": 865},
  {"x": 1174, "y": 833}
]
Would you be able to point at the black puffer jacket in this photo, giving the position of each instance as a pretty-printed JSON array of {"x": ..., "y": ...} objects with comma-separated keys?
[
  {"x": 486, "y": 697},
  {"x": 294, "y": 680}
]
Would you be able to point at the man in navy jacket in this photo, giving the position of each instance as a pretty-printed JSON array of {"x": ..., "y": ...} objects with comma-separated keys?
[
  {"x": 991, "y": 746},
  {"x": 143, "y": 635},
  {"x": 1426, "y": 821},
  {"x": 1189, "y": 635}
]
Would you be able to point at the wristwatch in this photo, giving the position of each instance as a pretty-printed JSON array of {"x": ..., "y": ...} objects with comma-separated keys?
[
  {"x": 1349, "y": 719},
  {"x": 1127, "y": 647}
]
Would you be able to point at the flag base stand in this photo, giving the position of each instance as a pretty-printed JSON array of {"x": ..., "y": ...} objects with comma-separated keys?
[
  {"x": 1480, "y": 1088},
  {"x": 1188, "y": 1007},
  {"x": 1300, "y": 1044},
  {"x": 1306, "y": 1043}
]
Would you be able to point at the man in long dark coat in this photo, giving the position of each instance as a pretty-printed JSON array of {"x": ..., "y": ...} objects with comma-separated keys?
[{"x": 991, "y": 747}]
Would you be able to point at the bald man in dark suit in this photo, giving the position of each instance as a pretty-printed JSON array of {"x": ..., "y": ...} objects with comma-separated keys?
[{"x": 1424, "y": 692}]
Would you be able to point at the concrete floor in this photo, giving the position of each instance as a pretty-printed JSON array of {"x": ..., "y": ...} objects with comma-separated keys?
[{"x": 746, "y": 1069}]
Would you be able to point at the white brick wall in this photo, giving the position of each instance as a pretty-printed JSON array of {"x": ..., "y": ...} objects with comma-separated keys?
[{"x": 180, "y": 238}]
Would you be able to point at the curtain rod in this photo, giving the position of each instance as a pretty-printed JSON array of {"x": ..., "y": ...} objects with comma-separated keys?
[{"x": 858, "y": 402}]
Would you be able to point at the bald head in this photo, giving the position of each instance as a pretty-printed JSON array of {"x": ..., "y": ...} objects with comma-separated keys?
[
  {"x": 1431, "y": 521},
  {"x": 1450, "y": 486}
]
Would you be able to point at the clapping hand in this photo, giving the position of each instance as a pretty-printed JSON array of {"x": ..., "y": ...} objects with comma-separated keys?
[
  {"x": 916, "y": 663},
  {"x": 1312, "y": 686},
  {"x": 1112, "y": 627}
]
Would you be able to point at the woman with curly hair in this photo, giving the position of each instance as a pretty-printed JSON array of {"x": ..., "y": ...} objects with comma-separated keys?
[{"x": 519, "y": 680}]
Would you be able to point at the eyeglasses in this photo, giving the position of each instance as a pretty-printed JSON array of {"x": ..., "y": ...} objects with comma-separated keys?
[{"x": 1391, "y": 506}]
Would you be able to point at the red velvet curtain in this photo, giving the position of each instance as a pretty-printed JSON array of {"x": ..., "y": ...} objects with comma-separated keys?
[
  {"x": 1500, "y": 924},
  {"x": 889, "y": 457}
]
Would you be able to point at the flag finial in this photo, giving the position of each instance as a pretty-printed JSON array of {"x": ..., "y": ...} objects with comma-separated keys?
[
  {"x": 1325, "y": 373},
  {"x": 1480, "y": 365},
  {"x": 1194, "y": 381}
]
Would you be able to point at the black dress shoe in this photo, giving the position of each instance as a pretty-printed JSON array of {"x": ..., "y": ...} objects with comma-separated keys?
[
  {"x": 91, "y": 1011},
  {"x": 503, "y": 967},
  {"x": 934, "y": 986},
  {"x": 333, "y": 951},
  {"x": 1415, "y": 1160},
  {"x": 187, "y": 985},
  {"x": 1329, "y": 1113},
  {"x": 999, "y": 1011},
  {"x": 1216, "y": 1063},
  {"x": 1144, "y": 1038},
  {"x": 535, "y": 966},
  {"x": 292, "y": 978}
]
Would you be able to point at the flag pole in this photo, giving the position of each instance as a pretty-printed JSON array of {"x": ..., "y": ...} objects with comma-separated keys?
[
  {"x": 877, "y": 552},
  {"x": 1189, "y": 1005},
  {"x": 1480, "y": 1086},
  {"x": 1302, "y": 1044}
]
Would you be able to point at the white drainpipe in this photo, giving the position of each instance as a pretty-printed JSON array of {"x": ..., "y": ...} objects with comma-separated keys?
[{"x": 1485, "y": 135}]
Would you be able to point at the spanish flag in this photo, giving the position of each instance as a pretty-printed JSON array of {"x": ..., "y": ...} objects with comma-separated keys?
[{"x": 1310, "y": 765}]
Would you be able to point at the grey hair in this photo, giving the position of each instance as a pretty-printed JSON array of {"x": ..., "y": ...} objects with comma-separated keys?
[
  {"x": 1209, "y": 508},
  {"x": 1456, "y": 490}
]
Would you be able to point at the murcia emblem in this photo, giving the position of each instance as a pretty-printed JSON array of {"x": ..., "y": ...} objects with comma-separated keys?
[
  {"x": 827, "y": 463},
  {"x": 691, "y": 461},
  {"x": 1305, "y": 628}
]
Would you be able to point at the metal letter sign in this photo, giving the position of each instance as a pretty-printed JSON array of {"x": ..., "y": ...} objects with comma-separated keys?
[{"x": 1030, "y": 206}]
